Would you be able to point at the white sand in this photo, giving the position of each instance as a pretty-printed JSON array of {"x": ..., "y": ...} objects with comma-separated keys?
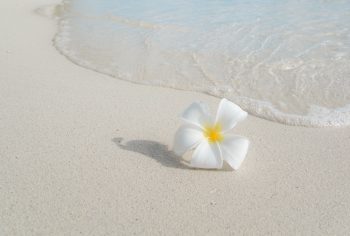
[{"x": 62, "y": 171}]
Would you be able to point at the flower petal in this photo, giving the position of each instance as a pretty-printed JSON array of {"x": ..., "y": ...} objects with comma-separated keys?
[
  {"x": 197, "y": 114},
  {"x": 234, "y": 149},
  {"x": 187, "y": 137},
  {"x": 229, "y": 114},
  {"x": 207, "y": 155}
]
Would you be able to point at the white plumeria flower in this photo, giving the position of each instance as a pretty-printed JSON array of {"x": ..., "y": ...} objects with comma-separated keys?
[{"x": 210, "y": 139}]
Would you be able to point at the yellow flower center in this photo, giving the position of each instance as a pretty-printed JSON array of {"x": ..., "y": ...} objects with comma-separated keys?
[{"x": 213, "y": 133}]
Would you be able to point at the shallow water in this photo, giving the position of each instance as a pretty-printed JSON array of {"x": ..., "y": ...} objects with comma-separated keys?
[{"x": 286, "y": 61}]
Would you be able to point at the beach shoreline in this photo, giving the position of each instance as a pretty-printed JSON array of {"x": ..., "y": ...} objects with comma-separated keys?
[
  {"x": 85, "y": 153},
  {"x": 288, "y": 73}
]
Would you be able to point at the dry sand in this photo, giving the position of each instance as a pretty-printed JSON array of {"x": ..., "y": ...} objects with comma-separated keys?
[{"x": 82, "y": 153}]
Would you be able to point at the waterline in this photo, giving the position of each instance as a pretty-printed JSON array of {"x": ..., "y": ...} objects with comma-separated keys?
[{"x": 287, "y": 62}]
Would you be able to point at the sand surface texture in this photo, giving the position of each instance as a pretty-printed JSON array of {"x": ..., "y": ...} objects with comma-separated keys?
[{"x": 82, "y": 153}]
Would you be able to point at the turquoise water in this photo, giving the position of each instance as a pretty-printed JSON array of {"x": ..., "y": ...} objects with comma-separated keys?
[{"x": 286, "y": 61}]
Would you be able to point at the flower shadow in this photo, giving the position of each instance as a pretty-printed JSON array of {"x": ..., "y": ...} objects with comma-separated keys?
[{"x": 155, "y": 150}]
